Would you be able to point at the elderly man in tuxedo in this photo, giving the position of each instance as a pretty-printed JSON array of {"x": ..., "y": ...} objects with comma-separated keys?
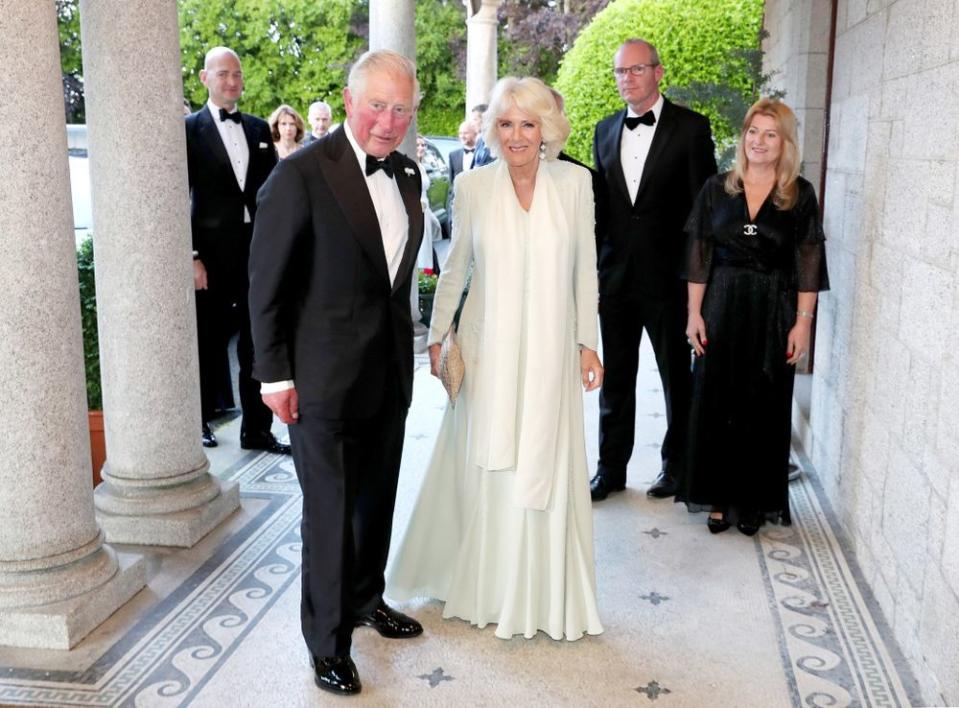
[
  {"x": 339, "y": 225},
  {"x": 652, "y": 158},
  {"x": 229, "y": 156}
]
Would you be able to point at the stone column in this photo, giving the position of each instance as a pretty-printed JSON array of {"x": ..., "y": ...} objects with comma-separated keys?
[
  {"x": 58, "y": 580},
  {"x": 157, "y": 488},
  {"x": 480, "y": 51},
  {"x": 392, "y": 26}
]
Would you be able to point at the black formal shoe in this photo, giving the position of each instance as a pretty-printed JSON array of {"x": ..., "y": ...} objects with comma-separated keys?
[
  {"x": 749, "y": 523},
  {"x": 600, "y": 487},
  {"x": 209, "y": 439},
  {"x": 264, "y": 441},
  {"x": 336, "y": 674},
  {"x": 716, "y": 525},
  {"x": 390, "y": 623},
  {"x": 664, "y": 486}
]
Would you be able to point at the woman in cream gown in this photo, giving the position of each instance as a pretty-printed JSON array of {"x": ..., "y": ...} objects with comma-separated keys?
[{"x": 502, "y": 528}]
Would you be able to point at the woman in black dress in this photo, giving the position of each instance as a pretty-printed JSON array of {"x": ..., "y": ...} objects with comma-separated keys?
[{"x": 756, "y": 261}]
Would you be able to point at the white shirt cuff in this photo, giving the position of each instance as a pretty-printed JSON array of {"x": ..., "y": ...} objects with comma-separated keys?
[{"x": 275, "y": 386}]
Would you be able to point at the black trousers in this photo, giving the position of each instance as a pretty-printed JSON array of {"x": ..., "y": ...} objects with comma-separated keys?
[
  {"x": 348, "y": 470},
  {"x": 222, "y": 311},
  {"x": 622, "y": 321}
]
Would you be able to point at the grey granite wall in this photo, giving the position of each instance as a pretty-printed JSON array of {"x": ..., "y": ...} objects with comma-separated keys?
[{"x": 884, "y": 424}]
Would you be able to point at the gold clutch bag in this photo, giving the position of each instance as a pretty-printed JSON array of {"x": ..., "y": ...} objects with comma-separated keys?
[{"x": 451, "y": 366}]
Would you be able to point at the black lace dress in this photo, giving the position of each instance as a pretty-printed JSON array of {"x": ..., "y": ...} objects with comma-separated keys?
[{"x": 739, "y": 427}]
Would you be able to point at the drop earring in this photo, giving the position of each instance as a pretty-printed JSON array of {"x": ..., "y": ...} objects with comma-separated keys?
[{"x": 542, "y": 151}]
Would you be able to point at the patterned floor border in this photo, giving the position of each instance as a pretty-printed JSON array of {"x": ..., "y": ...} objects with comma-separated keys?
[
  {"x": 833, "y": 640},
  {"x": 174, "y": 649},
  {"x": 835, "y": 646}
]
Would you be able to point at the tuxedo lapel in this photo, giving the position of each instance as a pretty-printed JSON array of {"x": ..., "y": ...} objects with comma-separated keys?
[
  {"x": 211, "y": 136},
  {"x": 610, "y": 152},
  {"x": 346, "y": 181},
  {"x": 414, "y": 212},
  {"x": 661, "y": 138}
]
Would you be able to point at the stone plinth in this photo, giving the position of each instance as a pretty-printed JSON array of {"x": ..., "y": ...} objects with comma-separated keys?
[
  {"x": 53, "y": 562},
  {"x": 157, "y": 488}
]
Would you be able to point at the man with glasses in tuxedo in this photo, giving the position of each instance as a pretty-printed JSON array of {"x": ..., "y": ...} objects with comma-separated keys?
[{"x": 652, "y": 157}]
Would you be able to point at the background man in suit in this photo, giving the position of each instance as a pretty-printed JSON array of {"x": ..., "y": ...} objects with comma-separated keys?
[
  {"x": 481, "y": 156},
  {"x": 461, "y": 159},
  {"x": 339, "y": 226},
  {"x": 320, "y": 117},
  {"x": 229, "y": 156},
  {"x": 652, "y": 158}
]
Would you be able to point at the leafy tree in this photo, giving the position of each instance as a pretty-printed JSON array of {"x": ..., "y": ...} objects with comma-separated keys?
[
  {"x": 701, "y": 43},
  {"x": 71, "y": 62},
  {"x": 535, "y": 34},
  {"x": 293, "y": 51},
  {"x": 440, "y": 63}
]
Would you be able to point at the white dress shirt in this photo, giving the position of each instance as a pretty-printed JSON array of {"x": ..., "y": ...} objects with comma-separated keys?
[
  {"x": 634, "y": 148},
  {"x": 391, "y": 215},
  {"x": 234, "y": 140}
]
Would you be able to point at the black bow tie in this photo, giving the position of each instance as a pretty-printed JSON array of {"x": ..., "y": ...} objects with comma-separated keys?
[
  {"x": 372, "y": 165},
  {"x": 235, "y": 116},
  {"x": 468, "y": 151},
  {"x": 646, "y": 119}
]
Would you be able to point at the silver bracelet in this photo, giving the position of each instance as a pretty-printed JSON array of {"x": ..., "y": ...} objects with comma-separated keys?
[{"x": 804, "y": 313}]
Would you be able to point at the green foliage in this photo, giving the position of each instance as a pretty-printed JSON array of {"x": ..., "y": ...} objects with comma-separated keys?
[
  {"x": 293, "y": 51},
  {"x": 88, "y": 312},
  {"x": 701, "y": 43},
  {"x": 71, "y": 61},
  {"x": 427, "y": 282},
  {"x": 440, "y": 45}
]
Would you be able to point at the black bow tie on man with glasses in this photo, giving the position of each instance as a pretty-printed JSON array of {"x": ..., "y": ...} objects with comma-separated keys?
[
  {"x": 648, "y": 118},
  {"x": 225, "y": 115},
  {"x": 373, "y": 164}
]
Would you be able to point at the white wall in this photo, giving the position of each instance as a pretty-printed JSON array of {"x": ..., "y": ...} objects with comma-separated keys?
[{"x": 884, "y": 424}]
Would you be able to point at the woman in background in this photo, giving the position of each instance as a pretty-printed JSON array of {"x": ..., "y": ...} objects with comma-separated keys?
[
  {"x": 288, "y": 129},
  {"x": 756, "y": 262}
]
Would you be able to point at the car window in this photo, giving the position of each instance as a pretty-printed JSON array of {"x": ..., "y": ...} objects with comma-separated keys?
[{"x": 434, "y": 164}]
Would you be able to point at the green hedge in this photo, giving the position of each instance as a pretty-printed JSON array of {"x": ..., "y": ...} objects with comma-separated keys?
[
  {"x": 88, "y": 312},
  {"x": 703, "y": 43}
]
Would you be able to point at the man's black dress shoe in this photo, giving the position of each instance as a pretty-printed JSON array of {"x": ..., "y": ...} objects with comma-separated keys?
[
  {"x": 390, "y": 623},
  {"x": 664, "y": 486},
  {"x": 749, "y": 523},
  {"x": 336, "y": 674},
  {"x": 600, "y": 487},
  {"x": 209, "y": 439},
  {"x": 264, "y": 441}
]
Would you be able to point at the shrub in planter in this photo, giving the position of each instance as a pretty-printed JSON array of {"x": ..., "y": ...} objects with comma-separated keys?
[{"x": 91, "y": 356}]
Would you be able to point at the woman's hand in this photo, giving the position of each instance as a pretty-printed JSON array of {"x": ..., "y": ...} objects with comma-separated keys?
[
  {"x": 696, "y": 332},
  {"x": 797, "y": 344},
  {"x": 591, "y": 369},
  {"x": 435, "y": 359}
]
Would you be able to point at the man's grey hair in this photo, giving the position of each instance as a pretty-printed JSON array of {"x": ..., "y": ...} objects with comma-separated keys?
[
  {"x": 320, "y": 104},
  {"x": 653, "y": 52},
  {"x": 386, "y": 61}
]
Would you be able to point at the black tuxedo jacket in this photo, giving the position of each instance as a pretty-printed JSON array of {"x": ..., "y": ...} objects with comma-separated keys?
[
  {"x": 216, "y": 201},
  {"x": 640, "y": 246},
  {"x": 322, "y": 307}
]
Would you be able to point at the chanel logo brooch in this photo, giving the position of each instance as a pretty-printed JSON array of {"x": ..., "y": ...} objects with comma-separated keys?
[{"x": 750, "y": 229}]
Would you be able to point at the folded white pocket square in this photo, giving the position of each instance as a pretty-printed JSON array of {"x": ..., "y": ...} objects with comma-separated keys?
[
  {"x": 409, "y": 170},
  {"x": 264, "y": 145}
]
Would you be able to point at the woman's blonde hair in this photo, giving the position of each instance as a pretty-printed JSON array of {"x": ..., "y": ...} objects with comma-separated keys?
[
  {"x": 274, "y": 122},
  {"x": 532, "y": 96},
  {"x": 786, "y": 190}
]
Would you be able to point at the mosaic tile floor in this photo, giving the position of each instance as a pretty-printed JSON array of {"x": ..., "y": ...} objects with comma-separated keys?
[{"x": 781, "y": 619}]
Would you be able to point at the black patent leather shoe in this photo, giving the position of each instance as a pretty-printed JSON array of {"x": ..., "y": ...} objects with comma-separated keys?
[
  {"x": 716, "y": 525},
  {"x": 209, "y": 439},
  {"x": 264, "y": 441},
  {"x": 749, "y": 524},
  {"x": 600, "y": 487},
  {"x": 336, "y": 674},
  {"x": 390, "y": 623},
  {"x": 664, "y": 486}
]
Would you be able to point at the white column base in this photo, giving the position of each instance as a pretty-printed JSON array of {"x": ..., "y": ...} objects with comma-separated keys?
[
  {"x": 61, "y": 625},
  {"x": 179, "y": 528}
]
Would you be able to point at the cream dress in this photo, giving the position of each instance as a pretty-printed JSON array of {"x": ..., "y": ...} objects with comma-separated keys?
[{"x": 502, "y": 528}]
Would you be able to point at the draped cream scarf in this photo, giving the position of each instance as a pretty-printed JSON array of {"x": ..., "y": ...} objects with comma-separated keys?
[{"x": 528, "y": 285}]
